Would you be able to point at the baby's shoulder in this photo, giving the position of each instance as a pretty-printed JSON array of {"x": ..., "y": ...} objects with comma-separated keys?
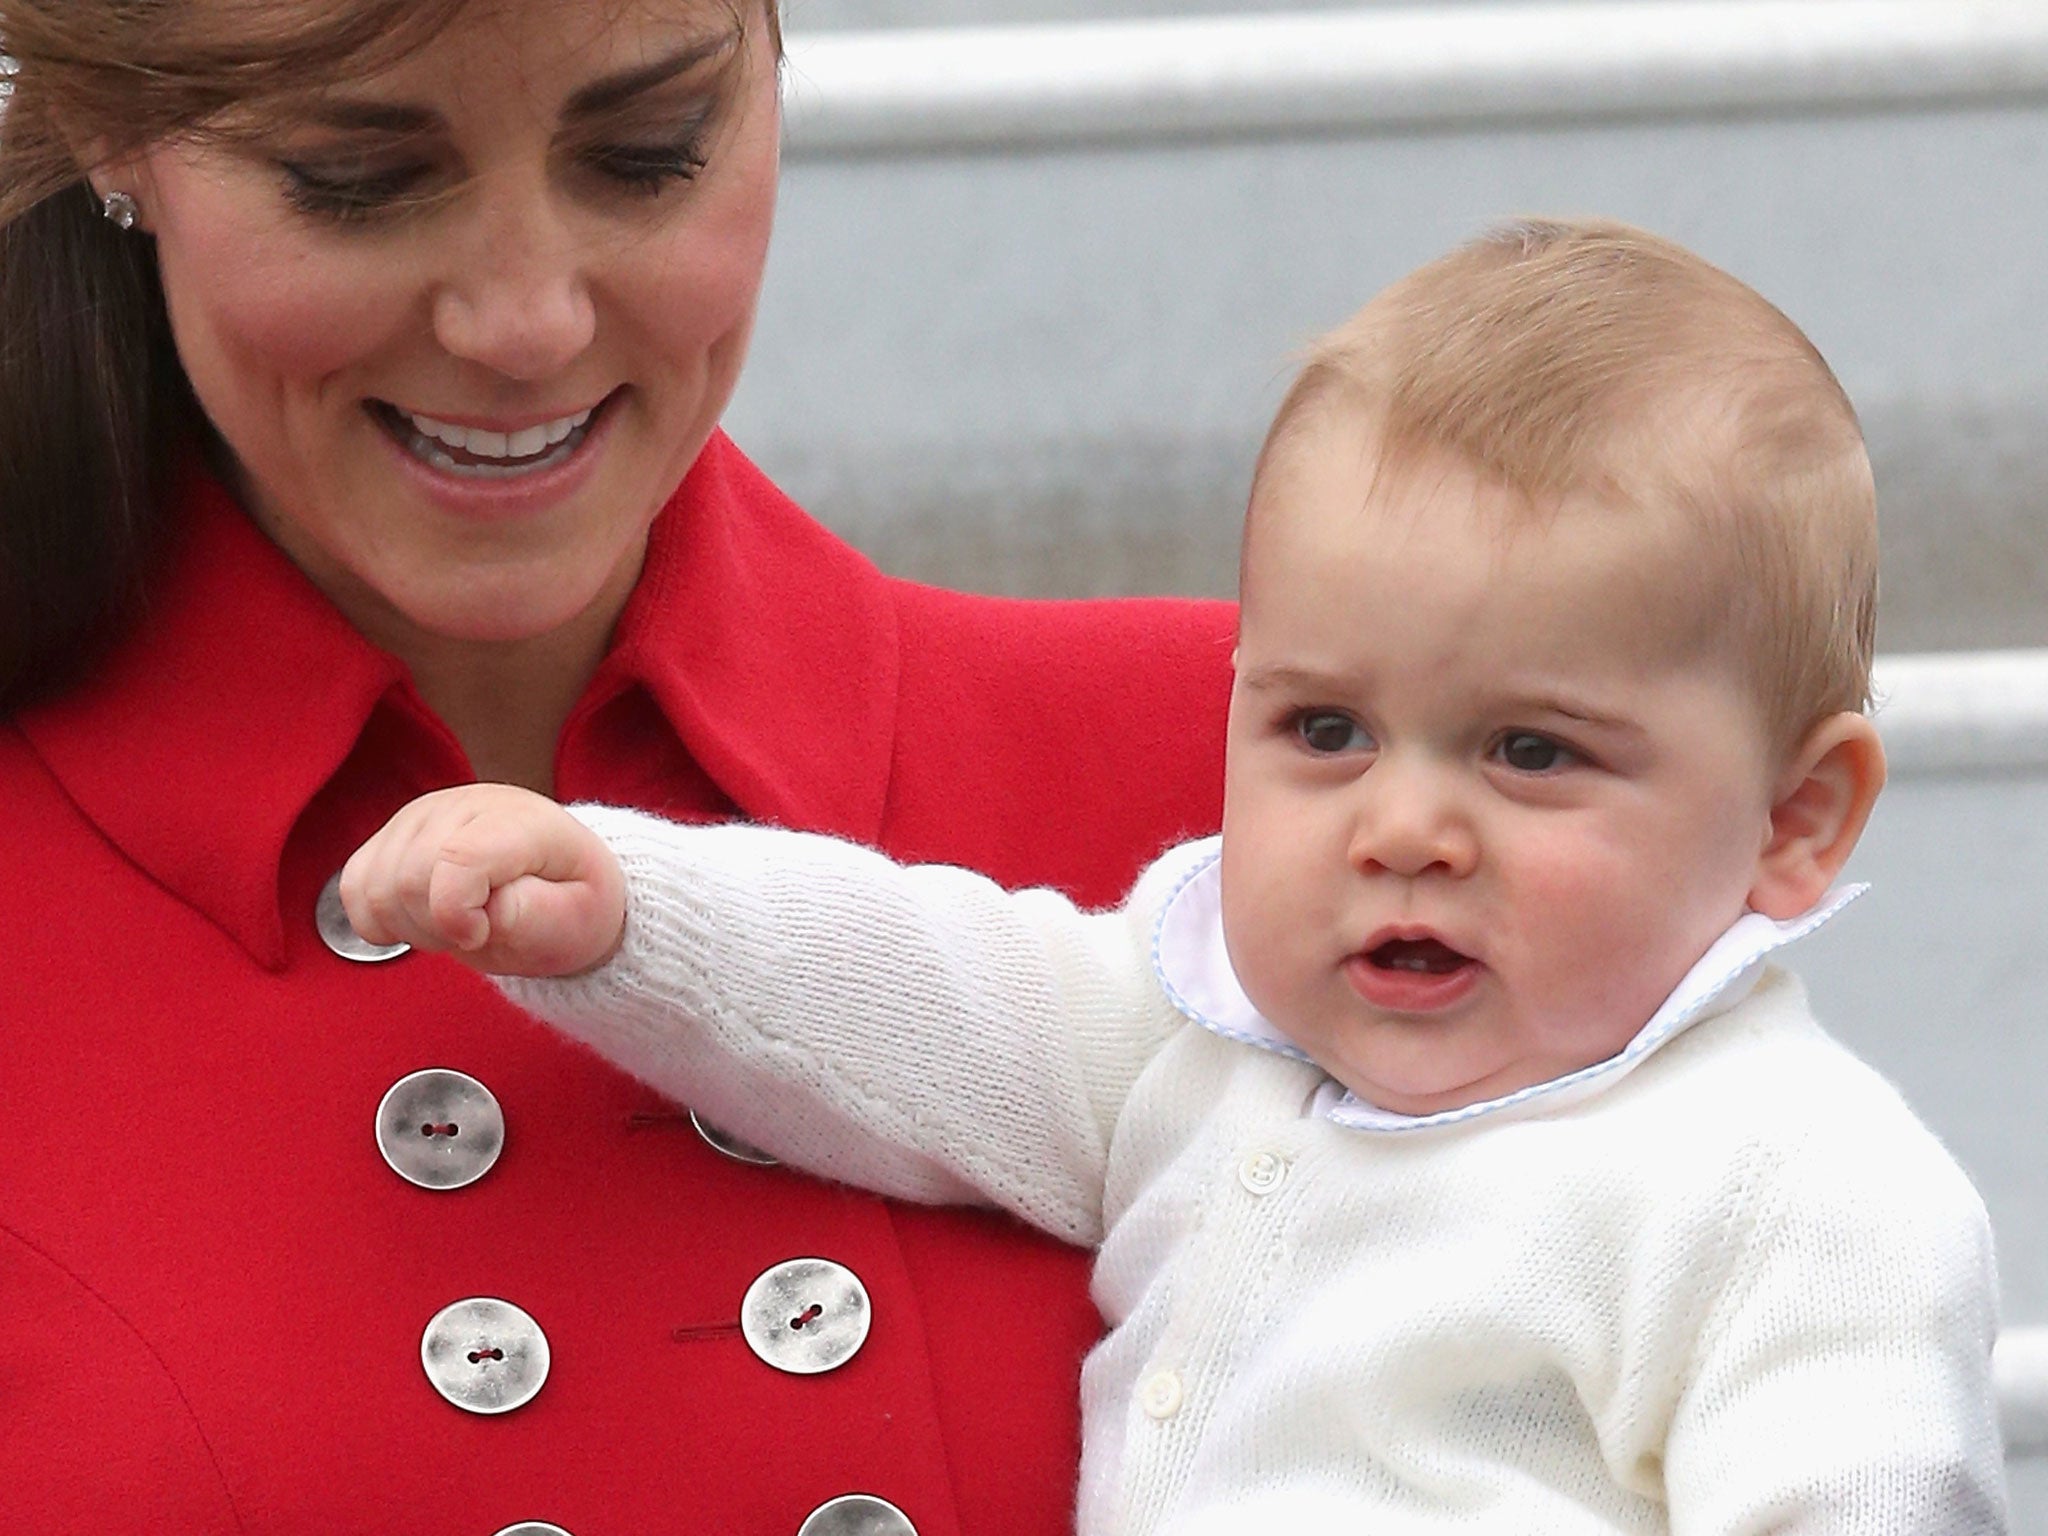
[{"x": 1764, "y": 1096}]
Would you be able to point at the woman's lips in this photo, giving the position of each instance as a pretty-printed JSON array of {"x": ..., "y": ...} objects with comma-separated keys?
[
  {"x": 1412, "y": 975},
  {"x": 495, "y": 491}
]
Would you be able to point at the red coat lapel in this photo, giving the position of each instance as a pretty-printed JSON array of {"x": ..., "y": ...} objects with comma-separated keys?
[{"x": 768, "y": 648}]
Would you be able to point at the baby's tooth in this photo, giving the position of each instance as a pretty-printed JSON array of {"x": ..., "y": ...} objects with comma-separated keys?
[
  {"x": 523, "y": 445},
  {"x": 559, "y": 430},
  {"x": 490, "y": 445}
]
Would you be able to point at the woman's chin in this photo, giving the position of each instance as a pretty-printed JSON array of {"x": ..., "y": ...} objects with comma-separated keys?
[
  {"x": 540, "y": 599},
  {"x": 515, "y": 619}
]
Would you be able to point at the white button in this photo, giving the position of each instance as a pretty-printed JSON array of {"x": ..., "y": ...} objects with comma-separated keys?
[
  {"x": 1262, "y": 1172},
  {"x": 331, "y": 918},
  {"x": 440, "y": 1129},
  {"x": 531, "y": 1528},
  {"x": 856, "y": 1514},
  {"x": 731, "y": 1146},
  {"x": 485, "y": 1355},
  {"x": 805, "y": 1316},
  {"x": 1161, "y": 1394}
]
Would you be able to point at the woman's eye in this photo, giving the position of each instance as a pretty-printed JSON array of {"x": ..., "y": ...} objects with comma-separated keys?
[
  {"x": 1527, "y": 752},
  {"x": 1326, "y": 732},
  {"x": 647, "y": 168},
  {"x": 354, "y": 193}
]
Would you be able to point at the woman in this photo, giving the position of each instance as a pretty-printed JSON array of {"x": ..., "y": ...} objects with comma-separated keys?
[{"x": 368, "y": 444}]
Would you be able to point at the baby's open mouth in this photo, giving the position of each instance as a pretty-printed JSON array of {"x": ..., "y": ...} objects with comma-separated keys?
[
  {"x": 1427, "y": 957},
  {"x": 478, "y": 453}
]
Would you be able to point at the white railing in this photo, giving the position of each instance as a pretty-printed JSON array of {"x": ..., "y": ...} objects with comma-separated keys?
[
  {"x": 1964, "y": 711},
  {"x": 2020, "y": 1364},
  {"x": 1022, "y": 87}
]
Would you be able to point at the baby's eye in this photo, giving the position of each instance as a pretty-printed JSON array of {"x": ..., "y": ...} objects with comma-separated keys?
[
  {"x": 1328, "y": 731},
  {"x": 1528, "y": 752}
]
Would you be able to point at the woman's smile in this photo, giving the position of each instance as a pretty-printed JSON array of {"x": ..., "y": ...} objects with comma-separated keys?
[
  {"x": 485, "y": 451},
  {"x": 491, "y": 471}
]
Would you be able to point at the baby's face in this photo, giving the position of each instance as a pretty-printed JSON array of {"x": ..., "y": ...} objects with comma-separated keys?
[{"x": 1482, "y": 811}]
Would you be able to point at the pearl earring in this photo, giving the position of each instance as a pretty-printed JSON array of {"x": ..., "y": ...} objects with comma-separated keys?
[{"x": 119, "y": 209}]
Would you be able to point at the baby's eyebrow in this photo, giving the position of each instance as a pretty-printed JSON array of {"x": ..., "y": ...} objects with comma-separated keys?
[
  {"x": 1577, "y": 711},
  {"x": 1276, "y": 677}
]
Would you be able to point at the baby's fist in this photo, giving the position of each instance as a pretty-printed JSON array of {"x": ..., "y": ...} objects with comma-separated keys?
[{"x": 502, "y": 878}]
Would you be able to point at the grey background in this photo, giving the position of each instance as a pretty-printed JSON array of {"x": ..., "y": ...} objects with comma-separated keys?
[{"x": 1048, "y": 372}]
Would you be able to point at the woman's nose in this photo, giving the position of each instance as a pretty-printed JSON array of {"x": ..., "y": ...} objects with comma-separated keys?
[
  {"x": 520, "y": 303},
  {"x": 1411, "y": 821}
]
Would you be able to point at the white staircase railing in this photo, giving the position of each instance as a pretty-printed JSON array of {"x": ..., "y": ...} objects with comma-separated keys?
[
  {"x": 1020, "y": 87},
  {"x": 1950, "y": 712},
  {"x": 2021, "y": 1365}
]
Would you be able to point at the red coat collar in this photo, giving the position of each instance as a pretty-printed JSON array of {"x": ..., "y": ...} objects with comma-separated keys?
[{"x": 768, "y": 647}]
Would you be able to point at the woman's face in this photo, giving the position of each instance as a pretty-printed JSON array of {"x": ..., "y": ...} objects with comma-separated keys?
[{"x": 464, "y": 324}]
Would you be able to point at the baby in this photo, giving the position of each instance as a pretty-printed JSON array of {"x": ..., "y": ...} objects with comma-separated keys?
[{"x": 1456, "y": 1160}]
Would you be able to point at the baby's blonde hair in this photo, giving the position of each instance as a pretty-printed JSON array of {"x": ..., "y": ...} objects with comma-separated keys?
[{"x": 1594, "y": 360}]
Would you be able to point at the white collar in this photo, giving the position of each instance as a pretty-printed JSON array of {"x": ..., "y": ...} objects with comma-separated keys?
[{"x": 1189, "y": 959}]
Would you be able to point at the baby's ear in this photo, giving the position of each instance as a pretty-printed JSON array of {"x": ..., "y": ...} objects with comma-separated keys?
[{"x": 1818, "y": 808}]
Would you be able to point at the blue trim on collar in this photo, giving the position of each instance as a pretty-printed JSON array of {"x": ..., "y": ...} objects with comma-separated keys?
[{"x": 1192, "y": 965}]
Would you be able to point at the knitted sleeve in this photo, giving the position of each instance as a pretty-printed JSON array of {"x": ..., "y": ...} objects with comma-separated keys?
[
  {"x": 916, "y": 1030},
  {"x": 1842, "y": 1384}
]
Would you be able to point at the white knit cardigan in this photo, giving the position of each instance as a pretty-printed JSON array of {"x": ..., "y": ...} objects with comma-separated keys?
[{"x": 1738, "y": 1290}]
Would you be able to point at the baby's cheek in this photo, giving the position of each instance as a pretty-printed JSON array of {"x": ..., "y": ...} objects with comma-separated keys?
[
  {"x": 1567, "y": 875},
  {"x": 1585, "y": 913},
  {"x": 1251, "y": 942},
  {"x": 1269, "y": 943}
]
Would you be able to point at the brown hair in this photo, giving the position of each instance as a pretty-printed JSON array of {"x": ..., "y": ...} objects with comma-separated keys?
[
  {"x": 1585, "y": 358},
  {"x": 95, "y": 411}
]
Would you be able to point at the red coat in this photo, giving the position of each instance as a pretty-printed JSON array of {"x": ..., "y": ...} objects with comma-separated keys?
[{"x": 213, "y": 1289}]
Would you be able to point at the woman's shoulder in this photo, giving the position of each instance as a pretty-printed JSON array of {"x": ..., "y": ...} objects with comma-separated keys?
[
  {"x": 970, "y": 650},
  {"x": 1079, "y": 738},
  {"x": 1060, "y": 742},
  {"x": 1114, "y": 643}
]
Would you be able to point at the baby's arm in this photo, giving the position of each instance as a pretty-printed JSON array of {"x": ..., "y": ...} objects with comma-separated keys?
[
  {"x": 1843, "y": 1381},
  {"x": 917, "y": 1030}
]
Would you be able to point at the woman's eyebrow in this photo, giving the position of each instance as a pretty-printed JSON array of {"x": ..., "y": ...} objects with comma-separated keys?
[
  {"x": 372, "y": 116},
  {"x": 614, "y": 90},
  {"x": 591, "y": 100}
]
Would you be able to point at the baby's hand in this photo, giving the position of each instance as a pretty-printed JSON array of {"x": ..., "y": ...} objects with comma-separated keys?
[{"x": 504, "y": 879}]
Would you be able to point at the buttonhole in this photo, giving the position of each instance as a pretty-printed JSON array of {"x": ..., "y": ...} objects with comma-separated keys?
[
  {"x": 479, "y": 1356},
  {"x": 809, "y": 1314},
  {"x": 450, "y": 1129}
]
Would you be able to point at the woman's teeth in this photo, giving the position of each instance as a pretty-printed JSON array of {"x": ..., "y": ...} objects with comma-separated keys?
[{"x": 479, "y": 452}]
